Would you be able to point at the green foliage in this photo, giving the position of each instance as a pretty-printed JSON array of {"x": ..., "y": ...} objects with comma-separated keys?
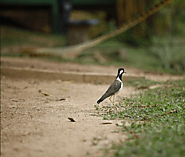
[
  {"x": 19, "y": 37},
  {"x": 148, "y": 52},
  {"x": 141, "y": 83},
  {"x": 170, "y": 54},
  {"x": 156, "y": 119},
  {"x": 163, "y": 55}
]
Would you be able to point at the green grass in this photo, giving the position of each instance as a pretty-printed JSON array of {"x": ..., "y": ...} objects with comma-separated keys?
[
  {"x": 141, "y": 83},
  {"x": 19, "y": 37},
  {"x": 157, "y": 122},
  {"x": 154, "y": 58},
  {"x": 169, "y": 53}
]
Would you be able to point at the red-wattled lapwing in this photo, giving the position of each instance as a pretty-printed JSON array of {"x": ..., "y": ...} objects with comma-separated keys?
[{"x": 114, "y": 88}]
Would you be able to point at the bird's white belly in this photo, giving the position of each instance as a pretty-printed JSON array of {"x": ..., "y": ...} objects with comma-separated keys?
[{"x": 121, "y": 85}]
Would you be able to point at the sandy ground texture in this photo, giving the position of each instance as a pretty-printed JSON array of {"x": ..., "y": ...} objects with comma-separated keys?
[
  {"x": 33, "y": 124},
  {"x": 34, "y": 113},
  {"x": 74, "y": 67}
]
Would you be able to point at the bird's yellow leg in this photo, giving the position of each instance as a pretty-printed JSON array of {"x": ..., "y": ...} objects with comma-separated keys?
[
  {"x": 110, "y": 98},
  {"x": 113, "y": 102}
]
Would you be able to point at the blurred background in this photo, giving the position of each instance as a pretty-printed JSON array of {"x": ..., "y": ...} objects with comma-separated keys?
[{"x": 156, "y": 44}]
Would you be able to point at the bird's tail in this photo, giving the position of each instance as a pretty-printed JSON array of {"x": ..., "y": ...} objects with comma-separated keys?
[{"x": 100, "y": 100}]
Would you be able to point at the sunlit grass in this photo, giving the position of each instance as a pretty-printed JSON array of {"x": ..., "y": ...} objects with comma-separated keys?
[{"x": 156, "y": 117}]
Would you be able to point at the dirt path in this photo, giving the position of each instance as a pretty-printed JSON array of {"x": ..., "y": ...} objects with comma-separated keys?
[
  {"x": 38, "y": 125},
  {"x": 33, "y": 124},
  {"x": 74, "y": 67}
]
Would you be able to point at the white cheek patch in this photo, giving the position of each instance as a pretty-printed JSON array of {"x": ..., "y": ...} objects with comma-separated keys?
[{"x": 120, "y": 72}]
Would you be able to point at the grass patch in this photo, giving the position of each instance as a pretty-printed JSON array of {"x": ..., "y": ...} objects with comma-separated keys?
[
  {"x": 154, "y": 58},
  {"x": 160, "y": 56},
  {"x": 171, "y": 56},
  {"x": 157, "y": 122},
  {"x": 19, "y": 37},
  {"x": 141, "y": 83}
]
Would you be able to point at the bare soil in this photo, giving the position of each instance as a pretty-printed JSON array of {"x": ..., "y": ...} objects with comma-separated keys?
[
  {"x": 75, "y": 67},
  {"x": 34, "y": 113}
]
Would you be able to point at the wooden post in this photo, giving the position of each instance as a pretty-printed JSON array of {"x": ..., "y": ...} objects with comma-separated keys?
[
  {"x": 140, "y": 30},
  {"x": 151, "y": 20},
  {"x": 124, "y": 11},
  {"x": 128, "y": 10},
  {"x": 120, "y": 12}
]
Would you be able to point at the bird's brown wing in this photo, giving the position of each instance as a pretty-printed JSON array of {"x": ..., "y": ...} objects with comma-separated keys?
[{"x": 114, "y": 87}]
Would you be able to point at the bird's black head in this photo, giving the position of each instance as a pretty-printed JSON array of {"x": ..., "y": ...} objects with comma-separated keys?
[{"x": 120, "y": 72}]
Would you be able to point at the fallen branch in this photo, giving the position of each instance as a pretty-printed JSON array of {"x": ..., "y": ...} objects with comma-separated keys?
[
  {"x": 174, "y": 111},
  {"x": 45, "y": 94},
  {"x": 142, "y": 106}
]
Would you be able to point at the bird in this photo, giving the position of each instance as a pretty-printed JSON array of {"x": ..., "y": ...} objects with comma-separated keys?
[{"x": 114, "y": 88}]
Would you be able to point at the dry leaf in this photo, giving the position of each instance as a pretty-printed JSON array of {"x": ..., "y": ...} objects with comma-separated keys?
[
  {"x": 71, "y": 119},
  {"x": 45, "y": 94},
  {"x": 107, "y": 122}
]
